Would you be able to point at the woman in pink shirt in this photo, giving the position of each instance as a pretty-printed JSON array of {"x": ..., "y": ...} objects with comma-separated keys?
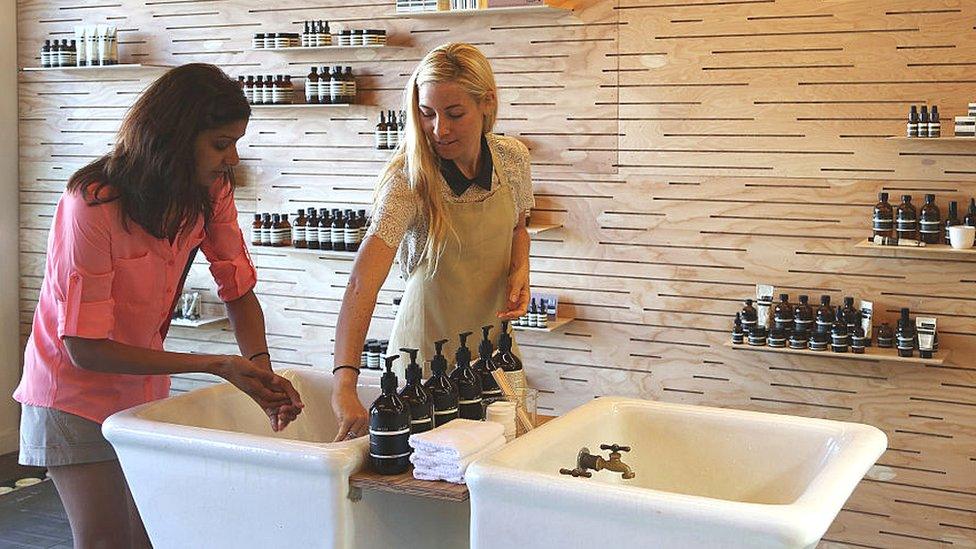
[{"x": 120, "y": 244}]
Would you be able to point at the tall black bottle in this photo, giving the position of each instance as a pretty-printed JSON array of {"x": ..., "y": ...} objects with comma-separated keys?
[
  {"x": 825, "y": 316},
  {"x": 389, "y": 427},
  {"x": 468, "y": 382},
  {"x": 490, "y": 391},
  {"x": 509, "y": 362},
  {"x": 905, "y": 335},
  {"x": 416, "y": 397},
  {"x": 443, "y": 391}
]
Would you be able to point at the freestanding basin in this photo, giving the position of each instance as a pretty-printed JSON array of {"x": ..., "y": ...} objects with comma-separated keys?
[
  {"x": 206, "y": 470},
  {"x": 705, "y": 477}
]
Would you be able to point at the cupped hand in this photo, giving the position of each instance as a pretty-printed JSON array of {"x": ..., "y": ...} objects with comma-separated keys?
[
  {"x": 517, "y": 299},
  {"x": 352, "y": 417}
]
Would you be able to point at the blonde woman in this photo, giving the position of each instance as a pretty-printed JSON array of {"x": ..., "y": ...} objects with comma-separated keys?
[{"x": 450, "y": 206}]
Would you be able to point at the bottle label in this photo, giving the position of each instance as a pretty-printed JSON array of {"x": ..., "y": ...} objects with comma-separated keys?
[
  {"x": 349, "y": 235},
  {"x": 276, "y": 236},
  {"x": 335, "y": 90},
  {"x": 325, "y": 235},
  {"x": 311, "y": 91},
  {"x": 297, "y": 233},
  {"x": 322, "y": 90},
  {"x": 338, "y": 235}
]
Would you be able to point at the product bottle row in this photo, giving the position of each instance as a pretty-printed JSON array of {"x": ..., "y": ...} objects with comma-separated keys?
[
  {"x": 466, "y": 392},
  {"x": 841, "y": 329},
  {"x": 328, "y": 87},
  {"x": 323, "y": 229},
  {"x": 907, "y": 226}
]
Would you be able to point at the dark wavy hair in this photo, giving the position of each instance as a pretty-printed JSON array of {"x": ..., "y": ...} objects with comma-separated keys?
[{"x": 151, "y": 169}]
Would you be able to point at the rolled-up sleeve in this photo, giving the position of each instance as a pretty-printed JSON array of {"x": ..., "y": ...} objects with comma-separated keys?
[
  {"x": 79, "y": 269},
  {"x": 224, "y": 246}
]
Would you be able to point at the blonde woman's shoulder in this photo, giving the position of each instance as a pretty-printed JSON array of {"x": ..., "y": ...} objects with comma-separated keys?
[{"x": 509, "y": 146}]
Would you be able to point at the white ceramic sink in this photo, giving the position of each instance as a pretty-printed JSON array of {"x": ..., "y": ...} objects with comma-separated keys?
[{"x": 705, "y": 477}]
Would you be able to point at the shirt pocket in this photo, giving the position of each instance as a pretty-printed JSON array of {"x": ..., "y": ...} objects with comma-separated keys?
[{"x": 138, "y": 281}]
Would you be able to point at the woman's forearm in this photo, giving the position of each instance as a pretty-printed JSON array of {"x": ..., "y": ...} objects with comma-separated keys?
[
  {"x": 247, "y": 320},
  {"x": 520, "y": 248},
  {"x": 112, "y": 357}
]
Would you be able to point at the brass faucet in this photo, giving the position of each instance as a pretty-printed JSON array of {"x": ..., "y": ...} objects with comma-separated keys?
[{"x": 586, "y": 461}]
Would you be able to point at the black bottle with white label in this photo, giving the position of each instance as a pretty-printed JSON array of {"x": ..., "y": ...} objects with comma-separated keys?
[
  {"x": 389, "y": 427},
  {"x": 416, "y": 397},
  {"x": 443, "y": 391},
  {"x": 468, "y": 382},
  {"x": 485, "y": 365}
]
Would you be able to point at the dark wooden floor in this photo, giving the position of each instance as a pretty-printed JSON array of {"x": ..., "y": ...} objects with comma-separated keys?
[{"x": 30, "y": 517}]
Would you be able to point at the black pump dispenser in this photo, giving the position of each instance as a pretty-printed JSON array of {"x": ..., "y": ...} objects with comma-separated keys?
[
  {"x": 468, "y": 382},
  {"x": 509, "y": 361},
  {"x": 490, "y": 391},
  {"x": 443, "y": 391},
  {"x": 416, "y": 397},
  {"x": 389, "y": 427}
]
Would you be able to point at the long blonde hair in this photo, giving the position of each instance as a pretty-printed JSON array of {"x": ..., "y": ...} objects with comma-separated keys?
[{"x": 466, "y": 66}]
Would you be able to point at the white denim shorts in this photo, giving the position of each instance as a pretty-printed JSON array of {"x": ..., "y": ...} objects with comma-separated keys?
[{"x": 51, "y": 438}]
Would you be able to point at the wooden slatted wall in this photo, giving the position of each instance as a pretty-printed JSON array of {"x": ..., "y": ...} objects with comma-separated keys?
[{"x": 690, "y": 148}]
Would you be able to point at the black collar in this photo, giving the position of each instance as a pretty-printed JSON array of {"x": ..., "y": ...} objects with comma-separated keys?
[{"x": 459, "y": 183}]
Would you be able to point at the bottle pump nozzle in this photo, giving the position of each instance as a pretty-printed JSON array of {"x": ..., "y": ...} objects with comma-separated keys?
[
  {"x": 438, "y": 364},
  {"x": 463, "y": 354},
  {"x": 389, "y": 380},
  {"x": 504, "y": 339},
  {"x": 485, "y": 348},
  {"x": 413, "y": 369}
]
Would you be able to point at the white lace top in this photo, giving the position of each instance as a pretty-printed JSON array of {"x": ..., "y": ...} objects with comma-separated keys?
[{"x": 398, "y": 216}]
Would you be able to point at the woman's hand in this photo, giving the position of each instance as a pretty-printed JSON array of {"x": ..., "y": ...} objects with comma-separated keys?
[
  {"x": 282, "y": 415},
  {"x": 518, "y": 294},
  {"x": 353, "y": 418},
  {"x": 273, "y": 393}
]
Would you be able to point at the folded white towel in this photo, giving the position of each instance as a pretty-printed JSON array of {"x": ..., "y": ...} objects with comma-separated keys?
[
  {"x": 457, "y": 439},
  {"x": 451, "y": 467},
  {"x": 422, "y": 474},
  {"x": 451, "y": 472}
]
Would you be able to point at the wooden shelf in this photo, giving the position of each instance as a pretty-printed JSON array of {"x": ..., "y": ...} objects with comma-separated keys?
[
  {"x": 198, "y": 323},
  {"x": 924, "y": 139},
  {"x": 302, "y": 105},
  {"x": 518, "y": 10},
  {"x": 404, "y": 483},
  {"x": 552, "y": 325},
  {"x": 320, "y": 48},
  {"x": 119, "y": 66},
  {"x": 536, "y": 229},
  {"x": 327, "y": 254},
  {"x": 930, "y": 250},
  {"x": 873, "y": 354}
]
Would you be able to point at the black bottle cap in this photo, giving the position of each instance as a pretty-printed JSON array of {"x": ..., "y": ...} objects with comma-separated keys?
[
  {"x": 413, "y": 369},
  {"x": 463, "y": 355},
  {"x": 438, "y": 364},
  {"x": 505, "y": 338},
  {"x": 904, "y": 312},
  {"x": 929, "y": 198},
  {"x": 882, "y": 197},
  {"x": 848, "y": 301},
  {"x": 906, "y": 198},
  {"x": 485, "y": 348},
  {"x": 784, "y": 297},
  {"x": 825, "y": 300},
  {"x": 804, "y": 299},
  {"x": 749, "y": 302},
  {"x": 389, "y": 381}
]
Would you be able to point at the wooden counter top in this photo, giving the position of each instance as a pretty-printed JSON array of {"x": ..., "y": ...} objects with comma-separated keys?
[{"x": 404, "y": 483}]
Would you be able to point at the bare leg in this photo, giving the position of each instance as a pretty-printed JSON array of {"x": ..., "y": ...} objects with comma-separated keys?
[{"x": 95, "y": 497}]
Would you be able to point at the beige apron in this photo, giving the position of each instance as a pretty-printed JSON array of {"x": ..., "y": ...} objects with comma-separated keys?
[{"x": 469, "y": 286}]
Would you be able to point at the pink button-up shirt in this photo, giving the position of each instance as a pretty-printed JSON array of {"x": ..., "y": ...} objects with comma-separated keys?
[{"x": 103, "y": 282}]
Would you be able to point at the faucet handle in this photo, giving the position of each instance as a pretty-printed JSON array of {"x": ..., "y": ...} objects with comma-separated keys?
[
  {"x": 576, "y": 472},
  {"x": 615, "y": 447}
]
